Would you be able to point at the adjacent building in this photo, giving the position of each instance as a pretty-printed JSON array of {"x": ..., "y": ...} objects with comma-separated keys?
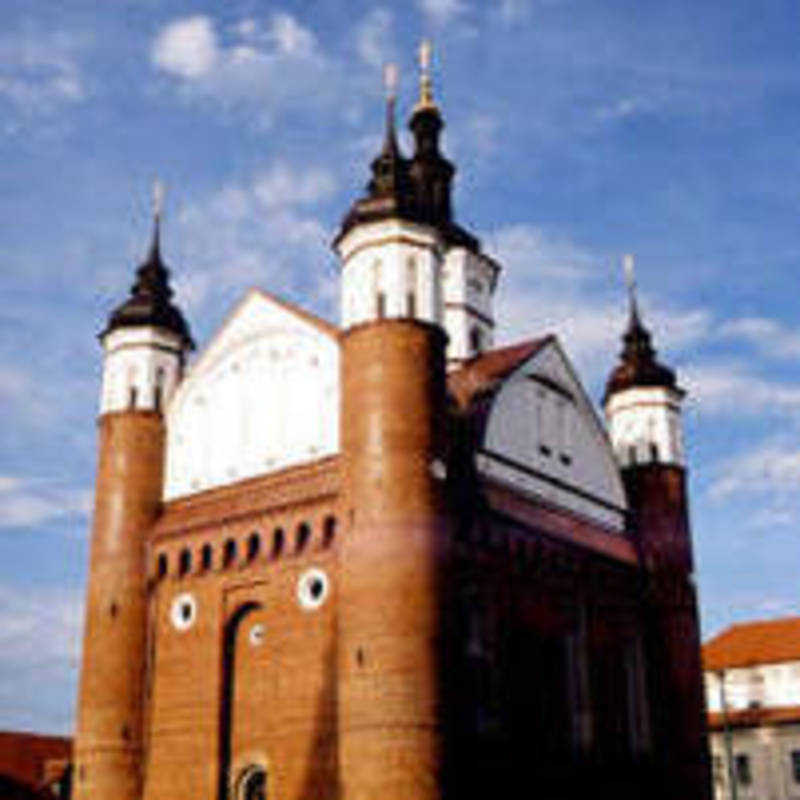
[{"x": 752, "y": 678}]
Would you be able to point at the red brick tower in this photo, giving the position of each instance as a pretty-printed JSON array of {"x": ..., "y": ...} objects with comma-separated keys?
[
  {"x": 144, "y": 344},
  {"x": 642, "y": 404},
  {"x": 394, "y": 550}
]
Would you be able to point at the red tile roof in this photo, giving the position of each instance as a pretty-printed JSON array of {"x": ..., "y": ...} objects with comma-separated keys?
[
  {"x": 24, "y": 756},
  {"x": 763, "y": 642},
  {"x": 754, "y": 717},
  {"x": 482, "y": 373}
]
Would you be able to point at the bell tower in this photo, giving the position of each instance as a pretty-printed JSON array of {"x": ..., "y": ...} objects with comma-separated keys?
[
  {"x": 642, "y": 405},
  {"x": 393, "y": 551},
  {"x": 144, "y": 344}
]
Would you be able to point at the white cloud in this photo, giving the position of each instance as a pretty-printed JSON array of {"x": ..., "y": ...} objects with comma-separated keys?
[
  {"x": 263, "y": 68},
  {"x": 773, "y": 469},
  {"x": 40, "y": 72},
  {"x": 187, "y": 47},
  {"x": 257, "y": 232},
  {"x": 513, "y": 10},
  {"x": 765, "y": 335},
  {"x": 441, "y": 12},
  {"x": 374, "y": 37},
  {"x": 281, "y": 185},
  {"x": 734, "y": 389},
  {"x": 28, "y": 503}
]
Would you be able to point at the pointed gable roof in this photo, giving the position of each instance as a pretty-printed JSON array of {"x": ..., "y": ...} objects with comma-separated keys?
[{"x": 483, "y": 373}]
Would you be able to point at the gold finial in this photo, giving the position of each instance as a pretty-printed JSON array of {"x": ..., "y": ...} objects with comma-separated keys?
[
  {"x": 159, "y": 191},
  {"x": 425, "y": 83},
  {"x": 390, "y": 80}
]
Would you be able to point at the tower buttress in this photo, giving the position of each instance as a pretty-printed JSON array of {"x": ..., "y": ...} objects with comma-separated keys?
[
  {"x": 145, "y": 343},
  {"x": 642, "y": 405}
]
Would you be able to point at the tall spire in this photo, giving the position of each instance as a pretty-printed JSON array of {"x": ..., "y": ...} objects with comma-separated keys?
[
  {"x": 638, "y": 365},
  {"x": 150, "y": 303},
  {"x": 389, "y": 167}
]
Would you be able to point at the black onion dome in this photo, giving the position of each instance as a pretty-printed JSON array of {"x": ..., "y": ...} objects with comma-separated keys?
[
  {"x": 150, "y": 300},
  {"x": 638, "y": 365},
  {"x": 389, "y": 192}
]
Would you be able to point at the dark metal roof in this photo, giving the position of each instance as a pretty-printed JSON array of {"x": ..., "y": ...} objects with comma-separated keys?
[
  {"x": 150, "y": 299},
  {"x": 638, "y": 364},
  {"x": 416, "y": 189}
]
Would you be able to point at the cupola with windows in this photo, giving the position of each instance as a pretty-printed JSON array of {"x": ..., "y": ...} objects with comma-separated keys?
[{"x": 147, "y": 337}]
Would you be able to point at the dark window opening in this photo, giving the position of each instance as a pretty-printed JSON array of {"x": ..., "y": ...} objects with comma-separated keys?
[
  {"x": 653, "y": 451},
  {"x": 411, "y": 305},
  {"x": 381, "y": 305},
  {"x": 475, "y": 340},
  {"x": 229, "y": 553},
  {"x": 742, "y": 769},
  {"x": 328, "y": 531},
  {"x": 254, "y": 785},
  {"x": 253, "y": 546},
  {"x": 632, "y": 455},
  {"x": 132, "y": 396},
  {"x": 205, "y": 556},
  {"x": 545, "y": 450},
  {"x": 185, "y": 562},
  {"x": 161, "y": 569},
  {"x": 796, "y": 765},
  {"x": 157, "y": 397},
  {"x": 277, "y": 542},
  {"x": 113, "y": 609},
  {"x": 303, "y": 535}
]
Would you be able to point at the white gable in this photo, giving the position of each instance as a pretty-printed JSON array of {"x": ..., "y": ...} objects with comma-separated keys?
[
  {"x": 543, "y": 436},
  {"x": 262, "y": 396}
]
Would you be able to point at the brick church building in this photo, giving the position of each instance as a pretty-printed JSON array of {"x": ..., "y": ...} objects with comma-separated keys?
[{"x": 385, "y": 560}]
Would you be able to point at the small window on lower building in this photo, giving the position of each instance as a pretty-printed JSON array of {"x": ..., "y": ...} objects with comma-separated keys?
[
  {"x": 796, "y": 765},
  {"x": 744, "y": 775}
]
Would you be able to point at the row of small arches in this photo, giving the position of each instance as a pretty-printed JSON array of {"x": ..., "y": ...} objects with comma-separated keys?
[{"x": 254, "y": 547}]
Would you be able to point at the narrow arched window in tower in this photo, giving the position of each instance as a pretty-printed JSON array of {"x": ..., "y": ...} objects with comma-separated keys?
[
  {"x": 411, "y": 288},
  {"x": 229, "y": 553},
  {"x": 303, "y": 535},
  {"x": 632, "y": 454},
  {"x": 205, "y": 557},
  {"x": 253, "y": 546},
  {"x": 132, "y": 397},
  {"x": 277, "y": 542},
  {"x": 475, "y": 340},
  {"x": 185, "y": 562},
  {"x": 158, "y": 389},
  {"x": 162, "y": 566},
  {"x": 253, "y": 785},
  {"x": 654, "y": 452},
  {"x": 328, "y": 531},
  {"x": 377, "y": 290}
]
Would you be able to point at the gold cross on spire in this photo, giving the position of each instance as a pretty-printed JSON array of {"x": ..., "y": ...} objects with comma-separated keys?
[{"x": 425, "y": 83}]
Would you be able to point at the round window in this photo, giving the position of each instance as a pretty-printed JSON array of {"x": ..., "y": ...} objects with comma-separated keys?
[
  {"x": 257, "y": 634},
  {"x": 312, "y": 589},
  {"x": 183, "y": 612}
]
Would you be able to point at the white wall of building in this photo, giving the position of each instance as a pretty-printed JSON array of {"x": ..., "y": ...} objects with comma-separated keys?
[
  {"x": 263, "y": 396},
  {"x": 762, "y": 685},
  {"x": 645, "y": 425},
  {"x": 141, "y": 369},
  {"x": 544, "y": 438},
  {"x": 468, "y": 284}
]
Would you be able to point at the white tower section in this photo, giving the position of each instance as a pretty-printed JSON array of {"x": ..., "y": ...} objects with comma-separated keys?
[
  {"x": 645, "y": 425},
  {"x": 141, "y": 368},
  {"x": 469, "y": 280},
  {"x": 391, "y": 268}
]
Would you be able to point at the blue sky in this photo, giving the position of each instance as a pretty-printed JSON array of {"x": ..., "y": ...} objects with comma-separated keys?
[{"x": 581, "y": 129}]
